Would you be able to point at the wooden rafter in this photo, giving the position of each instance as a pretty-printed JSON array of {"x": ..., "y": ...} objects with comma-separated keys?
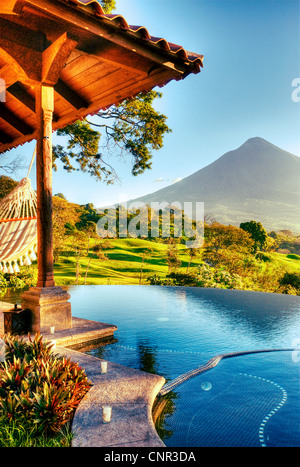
[
  {"x": 70, "y": 96},
  {"x": 8, "y": 116},
  {"x": 19, "y": 93},
  {"x": 55, "y": 57},
  {"x": 107, "y": 30},
  {"x": 5, "y": 138},
  {"x": 9, "y": 75}
]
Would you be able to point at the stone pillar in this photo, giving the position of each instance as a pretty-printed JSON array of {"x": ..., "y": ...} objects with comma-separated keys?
[{"x": 49, "y": 307}]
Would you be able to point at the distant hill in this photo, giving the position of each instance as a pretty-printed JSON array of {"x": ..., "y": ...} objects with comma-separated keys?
[{"x": 257, "y": 181}]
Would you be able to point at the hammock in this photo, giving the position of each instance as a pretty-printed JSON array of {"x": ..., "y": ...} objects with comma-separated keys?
[{"x": 18, "y": 226}]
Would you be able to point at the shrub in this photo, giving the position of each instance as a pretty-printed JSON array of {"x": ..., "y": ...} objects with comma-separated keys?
[
  {"x": 293, "y": 256},
  {"x": 37, "y": 387},
  {"x": 263, "y": 257},
  {"x": 289, "y": 281},
  {"x": 26, "y": 278},
  {"x": 187, "y": 279},
  {"x": 205, "y": 276}
]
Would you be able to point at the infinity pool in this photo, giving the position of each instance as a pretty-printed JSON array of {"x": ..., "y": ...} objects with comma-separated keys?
[{"x": 251, "y": 400}]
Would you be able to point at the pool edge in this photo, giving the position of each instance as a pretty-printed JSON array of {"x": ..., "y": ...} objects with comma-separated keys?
[{"x": 130, "y": 392}]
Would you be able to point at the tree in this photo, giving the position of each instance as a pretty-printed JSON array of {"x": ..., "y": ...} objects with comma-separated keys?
[
  {"x": 133, "y": 127},
  {"x": 173, "y": 256},
  {"x": 257, "y": 232},
  {"x": 145, "y": 255},
  {"x": 7, "y": 184},
  {"x": 64, "y": 213},
  {"x": 193, "y": 252},
  {"x": 61, "y": 195},
  {"x": 228, "y": 246},
  {"x": 13, "y": 166},
  {"x": 223, "y": 237},
  {"x": 108, "y": 5},
  {"x": 97, "y": 250}
]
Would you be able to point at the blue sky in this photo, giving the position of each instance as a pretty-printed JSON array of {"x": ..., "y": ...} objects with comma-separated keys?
[{"x": 251, "y": 56}]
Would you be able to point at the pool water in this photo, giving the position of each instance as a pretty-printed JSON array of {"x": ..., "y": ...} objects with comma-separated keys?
[
  {"x": 251, "y": 400},
  {"x": 248, "y": 401}
]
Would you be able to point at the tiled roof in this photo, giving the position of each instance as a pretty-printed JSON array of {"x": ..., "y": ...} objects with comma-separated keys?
[
  {"x": 111, "y": 61},
  {"x": 141, "y": 32}
]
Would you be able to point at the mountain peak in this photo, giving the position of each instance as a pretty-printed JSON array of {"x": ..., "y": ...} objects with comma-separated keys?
[
  {"x": 256, "y": 140},
  {"x": 256, "y": 181}
]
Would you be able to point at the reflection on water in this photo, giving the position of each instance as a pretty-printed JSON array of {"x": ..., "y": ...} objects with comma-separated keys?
[{"x": 171, "y": 330}]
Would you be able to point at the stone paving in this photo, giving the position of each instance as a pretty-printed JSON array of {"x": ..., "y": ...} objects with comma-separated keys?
[{"x": 129, "y": 392}]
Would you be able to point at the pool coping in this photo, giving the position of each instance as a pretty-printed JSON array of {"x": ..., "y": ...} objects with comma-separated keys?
[{"x": 130, "y": 393}]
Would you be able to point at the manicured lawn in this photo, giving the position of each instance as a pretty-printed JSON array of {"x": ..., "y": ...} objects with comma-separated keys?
[
  {"x": 123, "y": 265},
  {"x": 289, "y": 262}
]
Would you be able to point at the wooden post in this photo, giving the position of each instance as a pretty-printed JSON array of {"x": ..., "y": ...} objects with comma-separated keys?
[{"x": 44, "y": 113}]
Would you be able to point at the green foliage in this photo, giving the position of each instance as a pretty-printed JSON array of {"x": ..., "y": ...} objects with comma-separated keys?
[
  {"x": 286, "y": 242},
  {"x": 139, "y": 128},
  {"x": 38, "y": 389},
  {"x": 133, "y": 127},
  {"x": 14, "y": 435},
  {"x": 83, "y": 146},
  {"x": 220, "y": 237},
  {"x": 290, "y": 280},
  {"x": 27, "y": 277},
  {"x": 7, "y": 184},
  {"x": 205, "y": 276},
  {"x": 173, "y": 256},
  {"x": 263, "y": 257},
  {"x": 108, "y": 5},
  {"x": 257, "y": 232},
  {"x": 293, "y": 256}
]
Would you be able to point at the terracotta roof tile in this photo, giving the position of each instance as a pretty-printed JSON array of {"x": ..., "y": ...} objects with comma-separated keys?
[{"x": 142, "y": 32}]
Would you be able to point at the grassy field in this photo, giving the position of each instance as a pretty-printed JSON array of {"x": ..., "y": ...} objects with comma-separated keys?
[
  {"x": 123, "y": 265},
  {"x": 125, "y": 261}
]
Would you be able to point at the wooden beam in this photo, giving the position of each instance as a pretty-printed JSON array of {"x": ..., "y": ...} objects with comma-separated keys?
[
  {"x": 25, "y": 98},
  {"x": 114, "y": 95},
  {"x": 54, "y": 58},
  {"x": 44, "y": 112},
  {"x": 108, "y": 30},
  {"x": 11, "y": 7},
  {"x": 25, "y": 62},
  {"x": 15, "y": 121},
  {"x": 21, "y": 35},
  {"x": 19, "y": 93},
  {"x": 70, "y": 96},
  {"x": 5, "y": 138},
  {"x": 8, "y": 74},
  {"x": 116, "y": 56},
  {"x": 19, "y": 141}
]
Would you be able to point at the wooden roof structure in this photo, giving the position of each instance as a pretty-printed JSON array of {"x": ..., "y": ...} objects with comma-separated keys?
[
  {"x": 99, "y": 60},
  {"x": 62, "y": 60}
]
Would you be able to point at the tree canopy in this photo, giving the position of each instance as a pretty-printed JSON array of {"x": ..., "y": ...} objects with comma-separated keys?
[
  {"x": 257, "y": 233},
  {"x": 108, "y": 5},
  {"x": 133, "y": 127},
  {"x": 7, "y": 184}
]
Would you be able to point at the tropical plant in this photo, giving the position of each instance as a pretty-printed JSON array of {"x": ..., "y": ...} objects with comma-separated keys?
[{"x": 38, "y": 388}]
